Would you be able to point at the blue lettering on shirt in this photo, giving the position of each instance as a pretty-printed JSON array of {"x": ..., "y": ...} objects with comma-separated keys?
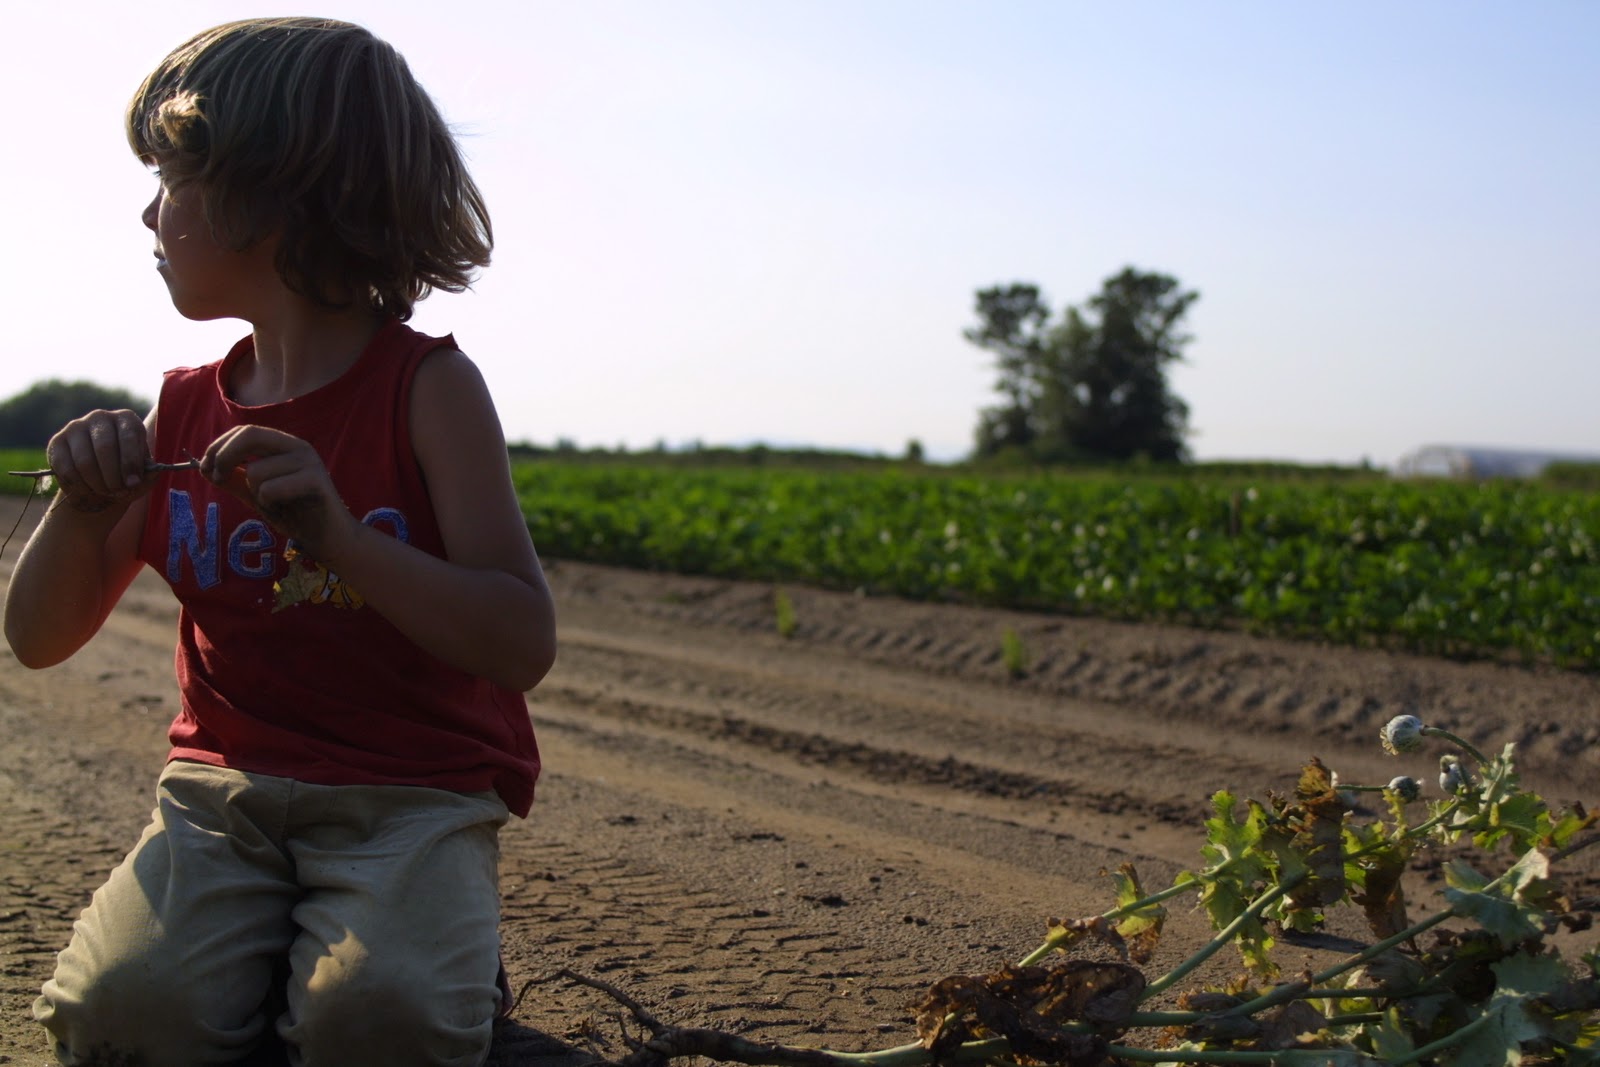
[
  {"x": 250, "y": 547},
  {"x": 396, "y": 521},
  {"x": 183, "y": 535},
  {"x": 249, "y": 550}
]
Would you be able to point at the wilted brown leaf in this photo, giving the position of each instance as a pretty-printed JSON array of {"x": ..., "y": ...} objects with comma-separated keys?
[
  {"x": 1317, "y": 818},
  {"x": 1210, "y": 1000},
  {"x": 1229, "y": 1028},
  {"x": 1282, "y": 1027},
  {"x": 1384, "y": 898},
  {"x": 1140, "y": 930},
  {"x": 1027, "y": 1005},
  {"x": 1065, "y": 932}
]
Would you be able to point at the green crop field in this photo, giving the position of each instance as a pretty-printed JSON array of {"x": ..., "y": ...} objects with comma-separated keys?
[
  {"x": 19, "y": 459},
  {"x": 1437, "y": 567},
  {"x": 1450, "y": 568}
]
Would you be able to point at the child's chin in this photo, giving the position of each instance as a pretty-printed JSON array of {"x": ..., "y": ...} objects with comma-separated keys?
[{"x": 200, "y": 313}]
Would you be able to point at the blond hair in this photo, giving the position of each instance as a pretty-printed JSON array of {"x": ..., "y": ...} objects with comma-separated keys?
[{"x": 315, "y": 132}]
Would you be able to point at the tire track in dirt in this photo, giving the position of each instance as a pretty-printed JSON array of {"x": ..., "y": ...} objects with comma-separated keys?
[
  {"x": 1105, "y": 769},
  {"x": 1250, "y": 690},
  {"x": 882, "y": 765}
]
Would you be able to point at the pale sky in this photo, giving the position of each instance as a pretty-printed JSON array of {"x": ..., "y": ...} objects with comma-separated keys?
[{"x": 741, "y": 220}]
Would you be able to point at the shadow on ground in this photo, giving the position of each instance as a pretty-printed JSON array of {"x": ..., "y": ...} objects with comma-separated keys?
[{"x": 516, "y": 1045}]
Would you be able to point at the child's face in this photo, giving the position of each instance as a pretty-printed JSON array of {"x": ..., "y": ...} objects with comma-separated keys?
[{"x": 205, "y": 279}]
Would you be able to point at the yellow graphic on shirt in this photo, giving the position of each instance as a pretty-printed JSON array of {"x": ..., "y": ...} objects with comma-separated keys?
[{"x": 309, "y": 582}]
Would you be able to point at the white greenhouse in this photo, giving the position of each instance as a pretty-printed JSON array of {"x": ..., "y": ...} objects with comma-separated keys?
[{"x": 1473, "y": 461}]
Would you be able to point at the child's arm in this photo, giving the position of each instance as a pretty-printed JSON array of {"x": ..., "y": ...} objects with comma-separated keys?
[
  {"x": 84, "y": 552},
  {"x": 485, "y": 608}
]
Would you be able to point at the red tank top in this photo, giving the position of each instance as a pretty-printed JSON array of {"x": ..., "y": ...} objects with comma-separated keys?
[{"x": 281, "y": 669}]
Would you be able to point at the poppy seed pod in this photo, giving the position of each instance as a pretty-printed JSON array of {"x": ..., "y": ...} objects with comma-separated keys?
[
  {"x": 1403, "y": 733},
  {"x": 1406, "y": 788}
]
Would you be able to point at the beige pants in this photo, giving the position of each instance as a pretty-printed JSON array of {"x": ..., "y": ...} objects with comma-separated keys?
[{"x": 365, "y": 918}]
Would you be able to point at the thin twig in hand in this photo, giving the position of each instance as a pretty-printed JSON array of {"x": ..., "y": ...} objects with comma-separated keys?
[
  {"x": 32, "y": 492},
  {"x": 190, "y": 464},
  {"x": 152, "y": 467}
]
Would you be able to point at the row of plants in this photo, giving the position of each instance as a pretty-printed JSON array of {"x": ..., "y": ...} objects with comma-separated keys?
[
  {"x": 1569, "y": 474},
  {"x": 1437, "y": 567},
  {"x": 19, "y": 459}
]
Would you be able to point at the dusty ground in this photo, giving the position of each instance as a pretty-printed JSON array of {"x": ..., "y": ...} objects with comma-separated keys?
[{"x": 789, "y": 839}]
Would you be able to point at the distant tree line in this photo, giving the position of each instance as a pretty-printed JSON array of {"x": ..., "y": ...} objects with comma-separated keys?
[
  {"x": 31, "y": 418},
  {"x": 698, "y": 454},
  {"x": 1570, "y": 474},
  {"x": 1090, "y": 385}
]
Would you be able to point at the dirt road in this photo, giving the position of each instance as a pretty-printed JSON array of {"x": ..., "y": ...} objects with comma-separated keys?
[{"x": 791, "y": 838}]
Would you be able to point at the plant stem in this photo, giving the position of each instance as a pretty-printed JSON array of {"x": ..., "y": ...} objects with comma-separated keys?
[
  {"x": 1347, "y": 994},
  {"x": 915, "y": 1055},
  {"x": 1281, "y": 1057},
  {"x": 1164, "y": 1018},
  {"x": 1448, "y": 1041},
  {"x": 1290, "y": 992},
  {"x": 1435, "y": 731},
  {"x": 1378, "y": 949},
  {"x": 1576, "y": 846},
  {"x": 1295, "y": 992},
  {"x": 1223, "y": 937},
  {"x": 1166, "y": 894},
  {"x": 1414, "y": 831},
  {"x": 993, "y": 1049},
  {"x": 1171, "y": 891}
]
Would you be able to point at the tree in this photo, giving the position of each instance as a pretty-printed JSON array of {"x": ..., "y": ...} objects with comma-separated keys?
[
  {"x": 1093, "y": 385},
  {"x": 31, "y": 418},
  {"x": 1013, "y": 328}
]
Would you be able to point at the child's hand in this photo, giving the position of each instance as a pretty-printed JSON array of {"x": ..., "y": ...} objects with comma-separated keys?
[
  {"x": 99, "y": 460},
  {"x": 284, "y": 479}
]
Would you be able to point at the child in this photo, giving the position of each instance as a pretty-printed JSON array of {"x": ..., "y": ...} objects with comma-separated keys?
[{"x": 362, "y": 607}]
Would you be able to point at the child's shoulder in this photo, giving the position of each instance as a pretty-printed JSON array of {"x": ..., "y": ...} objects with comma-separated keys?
[
  {"x": 185, "y": 373},
  {"x": 450, "y": 401},
  {"x": 184, "y": 382},
  {"x": 448, "y": 371}
]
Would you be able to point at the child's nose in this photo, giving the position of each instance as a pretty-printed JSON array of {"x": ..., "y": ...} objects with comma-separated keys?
[{"x": 152, "y": 211}]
